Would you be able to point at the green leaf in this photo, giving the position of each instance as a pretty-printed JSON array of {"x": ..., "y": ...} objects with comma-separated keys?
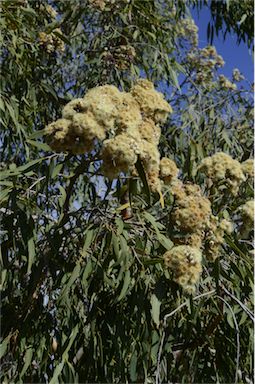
[
  {"x": 62, "y": 197},
  {"x": 243, "y": 18},
  {"x": 156, "y": 225},
  {"x": 167, "y": 243},
  {"x": 125, "y": 287},
  {"x": 155, "y": 309},
  {"x": 132, "y": 367},
  {"x": 3, "y": 278},
  {"x": 124, "y": 247},
  {"x": 28, "y": 359},
  {"x": 4, "y": 194},
  {"x": 42, "y": 146},
  {"x": 56, "y": 170},
  {"x": 16, "y": 171},
  {"x": 2, "y": 107},
  {"x": 12, "y": 114},
  {"x": 37, "y": 134},
  {"x": 62, "y": 37},
  {"x": 29, "y": 11},
  {"x": 75, "y": 274},
  {"x": 73, "y": 335},
  {"x": 115, "y": 244},
  {"x": 88, "y": 240},
  {"x": 243, "y": 319},
  {"x": 135, "y": 34},
  {"x": 87, "y": 271},
  {"x": 57, "y": 372},
  {"x": 120, "y": 225},
  {"x": 6, "y": 183},
  {"x": 27, "y": 167},
  {"x": 174, "y": 77},
  {"x": 4, "y": 345},
  {"x": 143, "y": 177},
  {"x": 230, "y": 319},
  {"x": 31, "y": 254},
  {"x": 154, "y": 345}
]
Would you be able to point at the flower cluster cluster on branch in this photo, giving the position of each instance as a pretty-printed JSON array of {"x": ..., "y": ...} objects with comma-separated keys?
[{"x": 125, "y": 123}]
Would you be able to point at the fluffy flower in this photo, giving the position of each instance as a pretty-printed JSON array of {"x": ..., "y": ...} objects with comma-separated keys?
[
  {"x": 151, "y": 102},
  {"x": 128, "y": 116},
  {"x": 98, "y": 4},
  {"x": 237, "y": 75},
  {"x": 73, "y": 107},
  {"x": 86, "y": 123},
  {"x": 129, "y": 119},
  {"x": 103, "y": 102},
  {"x": 187, "y": 29},
  {"x": 204, "y": 62},
  {"x": 192, "y": 239},
  {"x": 221, "y": 168},
  {"x": 185, "y": 263},
  {"x": 149, "y": 131},
  {"x": 64, "y": 136},
  {"x": 120, "y": 57},
  {"x": 51, "y": 11},
  {"x": 214, "y": 237},
  {"x": 192, "y": 210},
  {"x": 226, "y": 83},
  {"x": 248, "y": 168},
  {"x": 119, "y": 155},
  {"x": 151, "y": 159},
  {"x": 168, "y": 170},
  {"x": 51, "y": 42},
  {"x": 247, "y": 211}
]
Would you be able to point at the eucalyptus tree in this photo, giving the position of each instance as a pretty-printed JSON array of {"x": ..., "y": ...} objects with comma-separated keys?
[{"x": 89, "y": 288}]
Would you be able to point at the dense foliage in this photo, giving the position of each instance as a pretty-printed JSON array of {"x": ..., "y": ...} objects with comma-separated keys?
[{"x": 87, "y": 291}]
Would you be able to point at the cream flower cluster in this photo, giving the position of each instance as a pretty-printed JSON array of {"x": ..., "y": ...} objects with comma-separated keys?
[
  {"x": 168, "y": 170},
  {"x": 51, "y": 12},
  {"x": 204, "y": 62},
  {"x": 187, "y": 29},
  {"x": 214, "y": 236},
  {"x": 201, "y": 232},
  {"x": 244, "y": 132},
  {"x": 100, "y": 5},
  {"x": 247, "y": 212},
  {"x": 192, "y": 216},
  {"x": 224, "y": 171},
  {"x": 237, "y": 76},
  {"x": 248, "y": 168},
  {"x": 51, "y": 42},
  {"x": 85, "y": 120},
  {"x": 130, "y": 119},
  {"x": 192, "y": 210},
  {"x": 185, "y": 262},
  {"x": 120, "y": 57},
  {"x": 226, "y": 83}
]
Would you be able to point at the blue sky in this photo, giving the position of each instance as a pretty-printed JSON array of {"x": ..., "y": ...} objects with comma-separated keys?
[{"x": 235, "y": 56}]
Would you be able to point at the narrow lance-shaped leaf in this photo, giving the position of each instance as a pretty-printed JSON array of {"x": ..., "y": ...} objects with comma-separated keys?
[
  {"x": 27, "y": 359},
  {"x": 155, "y": 309},
  {"x": 31, "y": 254}
]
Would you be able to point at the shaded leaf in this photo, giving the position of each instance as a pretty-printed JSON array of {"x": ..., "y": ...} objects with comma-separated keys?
[{"x": 155, "y": 309}]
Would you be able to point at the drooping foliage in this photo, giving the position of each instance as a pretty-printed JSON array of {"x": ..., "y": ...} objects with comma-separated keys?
[
  {"x": 228, "y": 17},
  {"x": 103, "y": 278}
]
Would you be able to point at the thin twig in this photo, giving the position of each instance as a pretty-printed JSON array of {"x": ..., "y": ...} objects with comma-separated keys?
[
  {"x": 165, "y": 324},
  {"x": 237, "y": 338},
  {"x": 36, "y": 182},
  {"x": 249, "y": 313}
]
